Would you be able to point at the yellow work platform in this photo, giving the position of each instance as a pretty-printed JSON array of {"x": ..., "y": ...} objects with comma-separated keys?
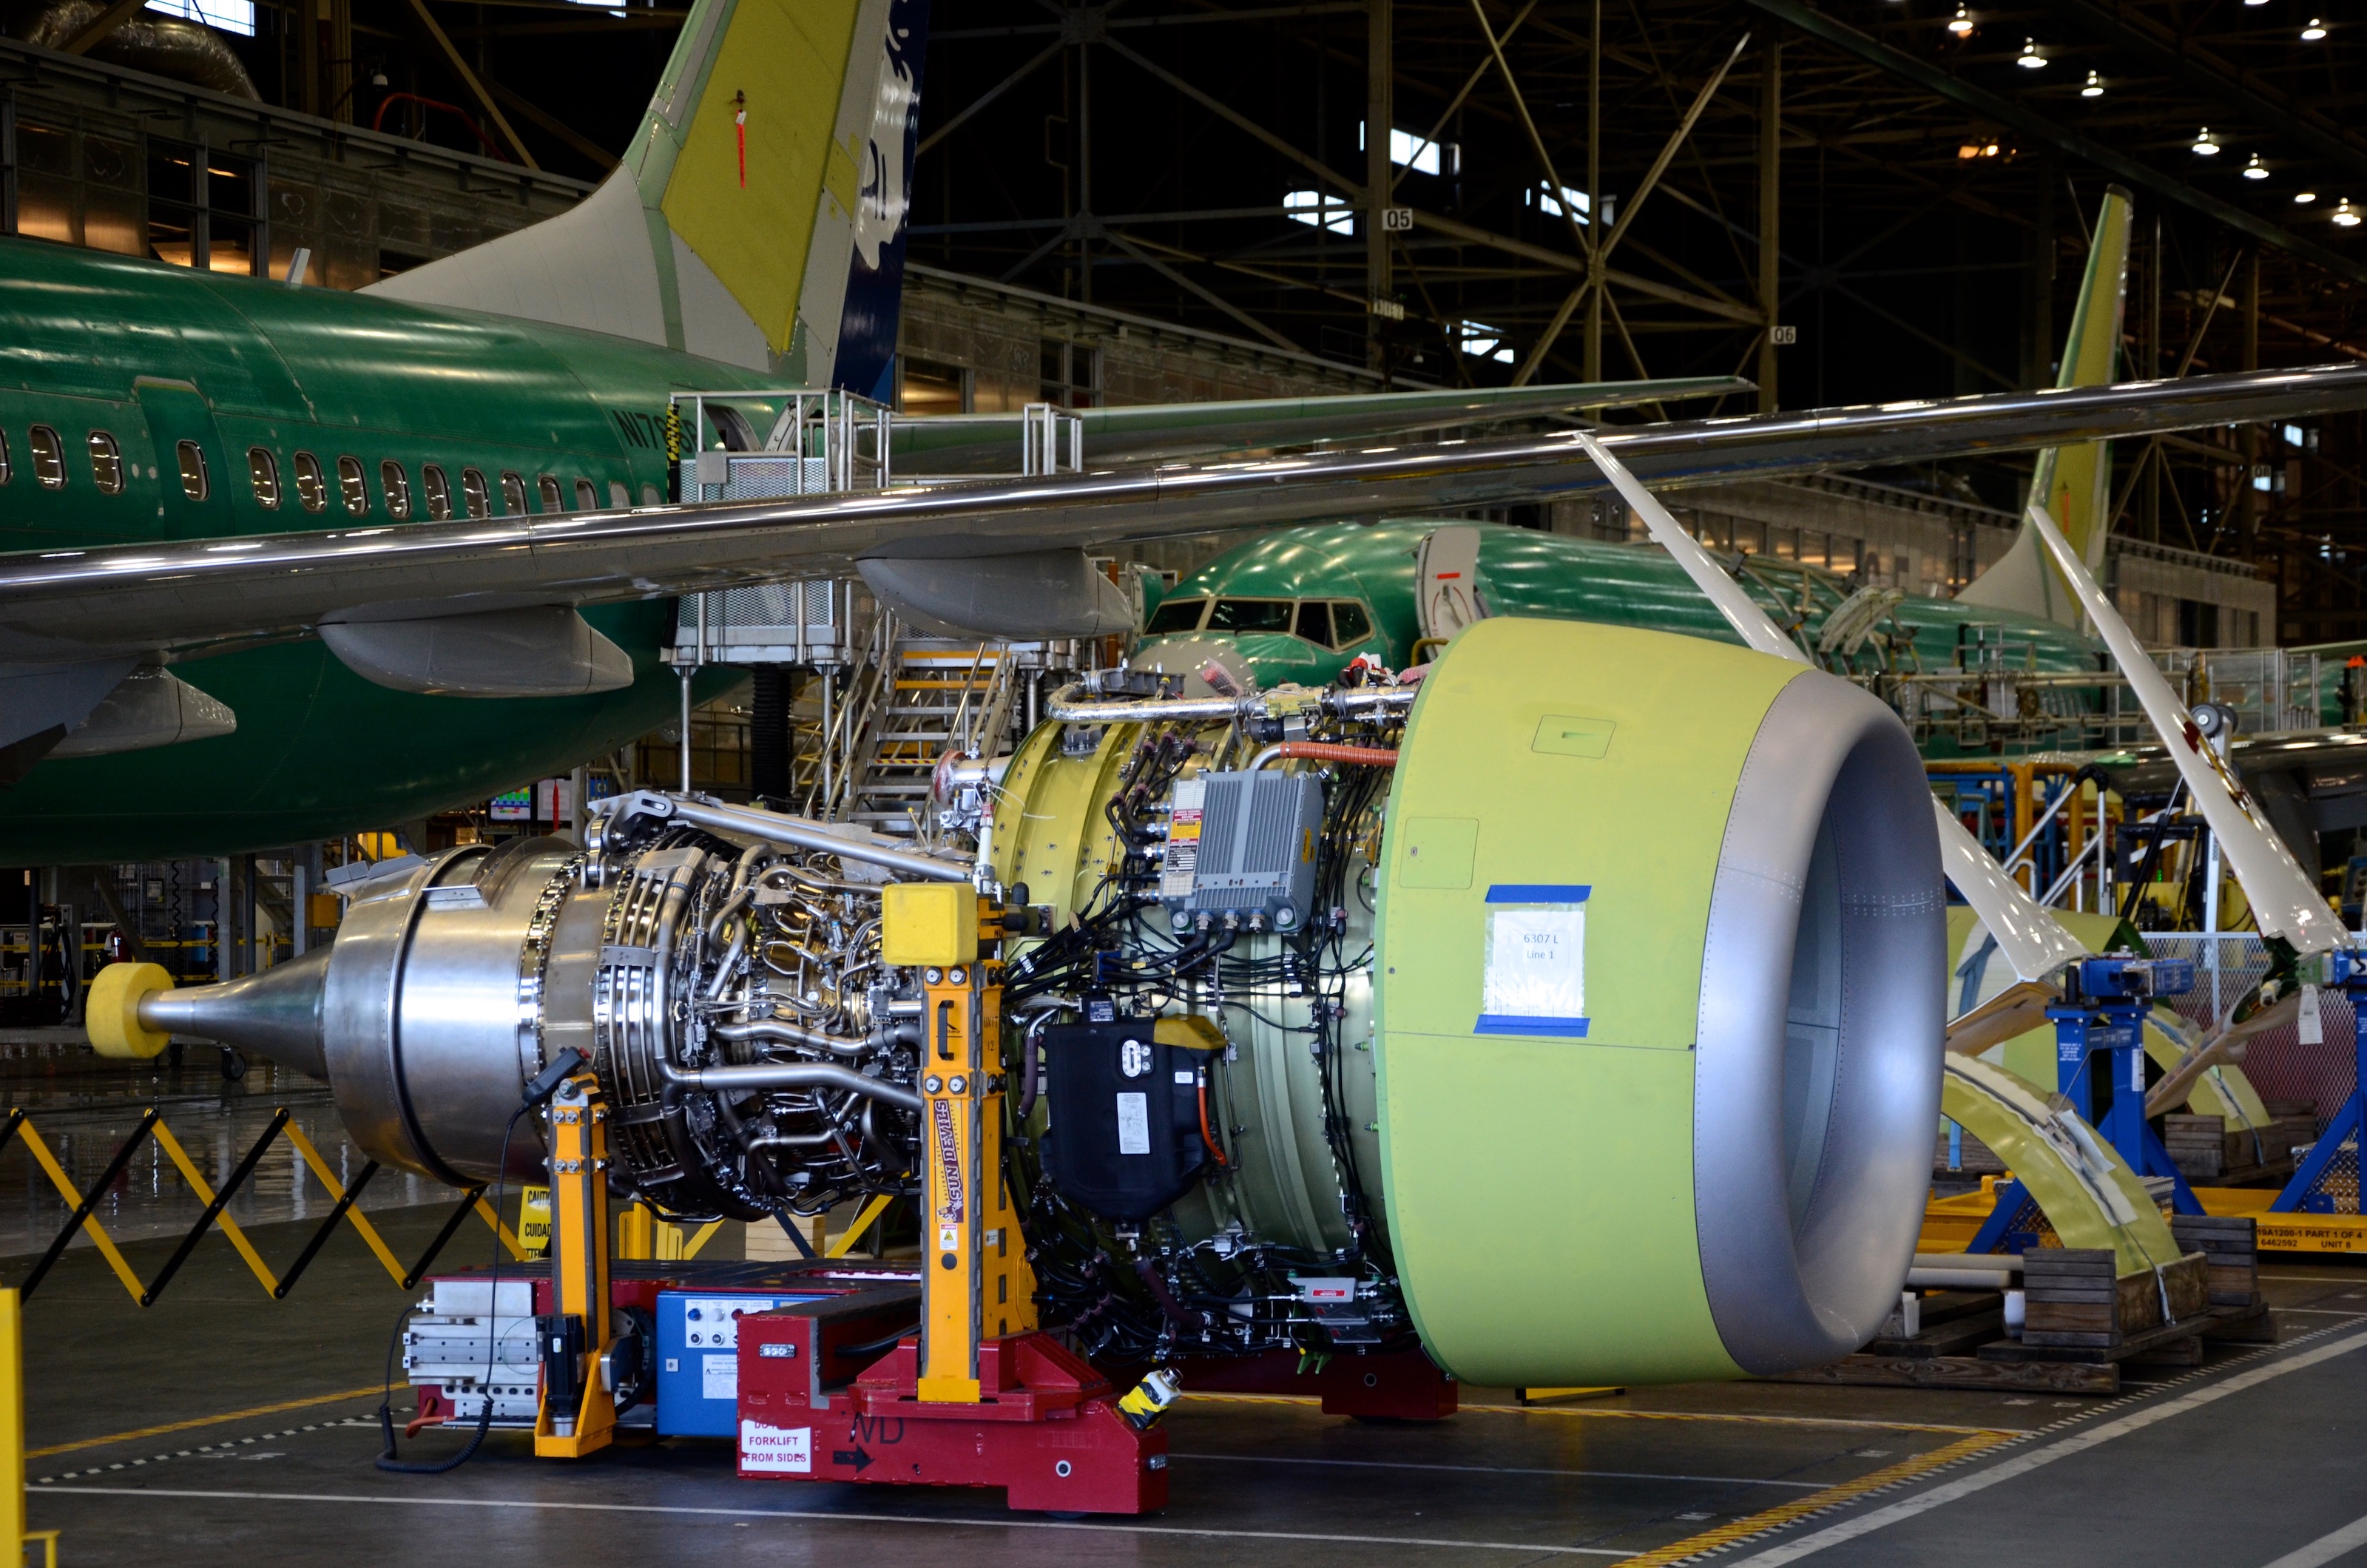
[{"x": 1950, "y": 1223}]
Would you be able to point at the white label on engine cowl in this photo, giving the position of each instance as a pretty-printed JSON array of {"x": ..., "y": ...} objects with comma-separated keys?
[
  {"x": 789, "y": 1449},
  {"x": 718, "y": 1377},
  {"x": 1134, "y": 1123},
  {"x": 1536, "y": 963}
]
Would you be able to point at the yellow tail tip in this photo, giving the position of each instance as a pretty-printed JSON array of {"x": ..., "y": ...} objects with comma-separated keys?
[{"x": 112, "y": 1013}]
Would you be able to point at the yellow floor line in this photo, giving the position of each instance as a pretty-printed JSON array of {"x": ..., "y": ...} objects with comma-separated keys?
[
  {"x": 201, "y": 1421},
  {"x": 1587, "y": 1413},
  {"x": 1799, "y": 1508}
]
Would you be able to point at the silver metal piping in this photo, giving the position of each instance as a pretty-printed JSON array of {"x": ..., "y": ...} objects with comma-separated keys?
[
  {"x": 796, "y": 832},
  {"x": 789, "y": 1074}
]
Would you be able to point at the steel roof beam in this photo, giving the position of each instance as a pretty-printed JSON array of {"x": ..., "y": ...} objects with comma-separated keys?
[{"x": 2005, "y": 111}]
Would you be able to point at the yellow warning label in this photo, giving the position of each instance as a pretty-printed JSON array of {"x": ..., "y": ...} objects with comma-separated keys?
[{"x": 534, "y": 1220}]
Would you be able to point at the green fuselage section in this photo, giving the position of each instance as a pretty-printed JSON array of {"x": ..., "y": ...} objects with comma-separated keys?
[
  {"x": 151, "y": 356},
  {"x": 1554, "y": 577}
]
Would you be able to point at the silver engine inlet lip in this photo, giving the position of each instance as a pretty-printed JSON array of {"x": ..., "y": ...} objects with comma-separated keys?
[{"x": 1817, "y": 1073}]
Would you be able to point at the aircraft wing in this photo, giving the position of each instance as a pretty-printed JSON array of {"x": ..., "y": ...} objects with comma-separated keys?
[
  {"x": 74, "y": 606},
  {"x": 982, "y": 443}
]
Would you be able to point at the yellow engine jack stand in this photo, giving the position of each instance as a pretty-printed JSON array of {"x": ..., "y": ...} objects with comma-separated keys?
[{"x": 578, "y": 1416}]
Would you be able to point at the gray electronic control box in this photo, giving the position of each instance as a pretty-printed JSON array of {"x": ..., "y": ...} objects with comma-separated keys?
[{"x": 1243, "y": 843}]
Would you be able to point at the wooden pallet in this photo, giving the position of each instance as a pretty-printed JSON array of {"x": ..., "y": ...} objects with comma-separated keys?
[{"x": 2081, "y": 1322}]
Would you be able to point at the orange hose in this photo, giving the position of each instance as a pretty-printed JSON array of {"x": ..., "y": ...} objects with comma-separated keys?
[
  {"x": 1323, "y": 751},
  {"x": 1206, "y": 1136}
]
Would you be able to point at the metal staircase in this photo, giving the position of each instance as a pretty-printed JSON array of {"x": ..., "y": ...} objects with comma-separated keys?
[{"x": 930, "y": 695}]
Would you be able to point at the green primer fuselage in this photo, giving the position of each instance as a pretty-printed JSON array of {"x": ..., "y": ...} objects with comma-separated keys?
[
  {"x": 1554, "y": 577},
  {"x": 94, "y": 342}
]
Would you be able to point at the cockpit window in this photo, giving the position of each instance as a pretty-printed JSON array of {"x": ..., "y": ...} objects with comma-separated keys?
[
  {"x": 1315, "y": 622},
  {"x": 1350, "y": 625},
  {"x": 1175, "y": 616},
  {"x": 1251, "y": 615}
]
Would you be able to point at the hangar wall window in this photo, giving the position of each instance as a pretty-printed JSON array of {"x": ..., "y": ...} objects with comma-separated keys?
[
  {"x": 472, "y": 493},
  {"x": 194, "y": 483},
  {"x": 106, "y": 463},
  {"x": 312, "y": 483},
  {"x": 1069, "y": 374},
  {"x": 397, "y": 486},
  {"x": 553, "y": 500},
  {"x": 513, "y": 496},
  {"x": 439, "y": 492},
  {"x": 49, "y": 459},
  {"x": 263, "y": 469},
  {"x": 356, "y": 489},
  {"x": 204, "y": 208}
]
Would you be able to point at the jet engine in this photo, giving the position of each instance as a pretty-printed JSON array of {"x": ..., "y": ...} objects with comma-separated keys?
[{"x": 1578, "y": 1011}]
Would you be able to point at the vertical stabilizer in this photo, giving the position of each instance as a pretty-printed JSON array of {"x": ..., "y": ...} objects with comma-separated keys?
[
  {"x": 2075, "y": 483},
  {"x": 758, "y": 216}
]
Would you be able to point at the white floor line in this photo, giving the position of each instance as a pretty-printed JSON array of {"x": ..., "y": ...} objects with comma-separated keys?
[
  {"x": 2324, "y": 1312},
  {"x": 820, "y": 1516},
  {"x": 2022, "y": 1464},
  {"x": 2325, "y": 1548},
  {"x": 1505, "y": 1469}
]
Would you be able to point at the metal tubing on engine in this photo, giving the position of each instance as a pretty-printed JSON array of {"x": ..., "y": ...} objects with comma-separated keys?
[
  {"x": 1064, "y": 706},
  {"x": 1323, "y": 751},
  {"x": 790, "y": 1074},
  {"x": 804, "y": 833},
  {"x": 789, "y": 1034}
]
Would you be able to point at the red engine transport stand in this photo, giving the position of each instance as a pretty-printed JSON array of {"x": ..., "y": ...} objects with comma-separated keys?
[
  {"x": 1399, "y": 1383},
  {"x": 1046, "y": 1427}
]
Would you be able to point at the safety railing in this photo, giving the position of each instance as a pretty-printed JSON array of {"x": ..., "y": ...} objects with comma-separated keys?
[{"x": 344, "y": 1197}]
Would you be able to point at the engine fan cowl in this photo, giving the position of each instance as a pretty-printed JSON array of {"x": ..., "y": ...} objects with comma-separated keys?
[{"x": 1704, "y": 1150}]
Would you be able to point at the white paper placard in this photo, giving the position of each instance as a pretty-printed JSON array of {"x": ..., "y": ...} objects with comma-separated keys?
[
  {"x": 789, "y": 1449},
  {"x": 1536, "y": 963}
]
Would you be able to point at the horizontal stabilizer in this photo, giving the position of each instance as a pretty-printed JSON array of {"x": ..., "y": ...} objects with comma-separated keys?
[{"x": 984, "y": 443}]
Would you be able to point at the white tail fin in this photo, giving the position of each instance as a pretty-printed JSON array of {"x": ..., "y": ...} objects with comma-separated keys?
[{"x": 757, "y": 217}]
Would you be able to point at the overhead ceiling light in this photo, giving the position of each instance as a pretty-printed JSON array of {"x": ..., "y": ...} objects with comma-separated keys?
[
  {"x": 2095, "y": 87},
  {"x": 2029, "y": 59},
  {"x": 1961, "y": 23},
  {"x": 2315, "y": 31},
  {"x": 2206, "y": 144},
  {"x": 2344, "y": 215},
  {"x": 2256, "y": 170},
  {"x": 2304, "y": 197}
]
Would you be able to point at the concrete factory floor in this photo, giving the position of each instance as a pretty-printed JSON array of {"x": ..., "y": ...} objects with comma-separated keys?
[{"x": 221, "y": 1428}]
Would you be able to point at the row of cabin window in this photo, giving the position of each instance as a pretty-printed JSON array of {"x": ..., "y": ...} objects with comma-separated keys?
[{"x": 106, "y": 472}]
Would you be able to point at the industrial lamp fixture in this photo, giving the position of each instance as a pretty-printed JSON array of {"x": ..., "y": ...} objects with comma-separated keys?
[
  {"x": 2206, "y": 144},
  {"x": 2345, "y": 216},
  {"x": 2256, "y": 170},
  {"x": 2304, "y": 197},
  {"x": 1961, "y": 23},
  {"x": 2095, "y": 87},
  {"x": 2029, "y": 59},
  {"x": 2315, "y": 31}
]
